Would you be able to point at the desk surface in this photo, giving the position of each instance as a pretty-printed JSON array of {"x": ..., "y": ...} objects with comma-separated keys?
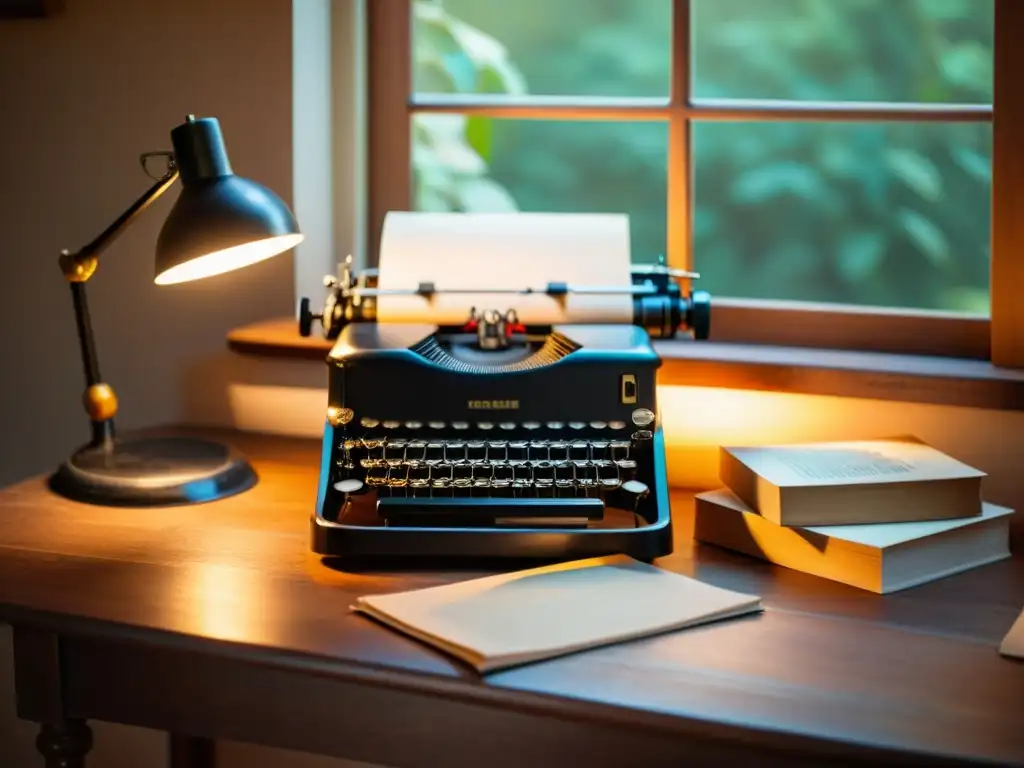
[{"x": 825, "y": 670}]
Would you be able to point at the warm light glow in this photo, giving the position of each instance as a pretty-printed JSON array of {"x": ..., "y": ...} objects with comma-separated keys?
[{"x": 219, "y": 262}]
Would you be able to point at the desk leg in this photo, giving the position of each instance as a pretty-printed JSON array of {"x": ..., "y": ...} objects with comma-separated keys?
[
  {"x": 63, "y": 741},
  {"x": 65, "y": 744},
  {"x": 191, "y": 752}
]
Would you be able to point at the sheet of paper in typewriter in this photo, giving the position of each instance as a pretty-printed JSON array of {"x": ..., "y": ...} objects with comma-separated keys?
[{"x": 504, "y": 251}]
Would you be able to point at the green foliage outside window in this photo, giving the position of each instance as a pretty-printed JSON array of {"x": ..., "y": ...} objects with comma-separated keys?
[{"x": 893, "y": 214}]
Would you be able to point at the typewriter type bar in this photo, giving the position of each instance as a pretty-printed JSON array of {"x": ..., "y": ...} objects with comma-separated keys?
[{"x": 489, "y": 512}]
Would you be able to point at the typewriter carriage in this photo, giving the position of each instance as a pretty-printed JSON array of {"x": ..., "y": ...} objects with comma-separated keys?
[{"x": 659, "y": 306}]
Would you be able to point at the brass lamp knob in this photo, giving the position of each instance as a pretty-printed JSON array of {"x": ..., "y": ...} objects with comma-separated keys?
[{"x": 100, "y": 402}]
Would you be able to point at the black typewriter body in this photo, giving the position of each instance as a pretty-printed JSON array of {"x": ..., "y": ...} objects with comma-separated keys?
[
  {"x": 440, "y": 448},
  {"x": 494, "y": 439}
]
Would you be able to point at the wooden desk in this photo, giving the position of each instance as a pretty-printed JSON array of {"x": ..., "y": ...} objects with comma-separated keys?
[{"x": 215, "y": 621}]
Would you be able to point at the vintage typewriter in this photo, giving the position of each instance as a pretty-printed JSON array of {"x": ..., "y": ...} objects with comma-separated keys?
[{"x": 491, "y": 437}]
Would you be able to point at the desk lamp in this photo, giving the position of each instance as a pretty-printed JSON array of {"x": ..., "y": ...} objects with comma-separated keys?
[{"x": 220, "y": 222}]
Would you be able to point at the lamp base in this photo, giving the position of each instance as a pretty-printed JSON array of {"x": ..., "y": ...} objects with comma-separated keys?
[{"x": 153, "y": 471}]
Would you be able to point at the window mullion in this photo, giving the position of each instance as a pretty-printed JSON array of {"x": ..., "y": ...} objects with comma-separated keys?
[{"x": 679, "y": 150}]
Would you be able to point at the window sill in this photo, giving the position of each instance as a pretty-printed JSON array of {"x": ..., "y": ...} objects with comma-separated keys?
[{"x": 872, "y": 375}]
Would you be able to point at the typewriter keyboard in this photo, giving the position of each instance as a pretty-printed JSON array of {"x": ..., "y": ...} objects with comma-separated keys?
[{"x": 490, "y": 467}]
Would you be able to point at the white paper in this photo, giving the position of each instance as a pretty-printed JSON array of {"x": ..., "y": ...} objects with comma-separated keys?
[
  {"x": 504, "y": 251},
  {"x": 1013, "y": 643}
]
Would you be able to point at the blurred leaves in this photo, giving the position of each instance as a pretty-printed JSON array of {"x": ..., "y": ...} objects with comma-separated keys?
[
  {"x": 916, "y": 171},
  {"x": 756, "y": 185},
  {"x": 451, "y": 152},
  {"x": 927, "y": 237},
  {"x": 893, "y": 214}
]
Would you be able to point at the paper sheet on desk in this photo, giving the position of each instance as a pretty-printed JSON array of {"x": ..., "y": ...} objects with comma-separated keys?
[
  {"x": 503, "y": 251},
  {"x": 1013, "y": 643}
]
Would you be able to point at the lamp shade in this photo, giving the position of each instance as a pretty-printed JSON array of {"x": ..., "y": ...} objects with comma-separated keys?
[{"x": 220, "y": 221}]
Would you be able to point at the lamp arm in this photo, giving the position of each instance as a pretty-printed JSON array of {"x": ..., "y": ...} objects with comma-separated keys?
[{"x": 99, "y": 399}]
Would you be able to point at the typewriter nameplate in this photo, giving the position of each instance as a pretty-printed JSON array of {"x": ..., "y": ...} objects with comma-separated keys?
[{"x": 493, "y": 405}]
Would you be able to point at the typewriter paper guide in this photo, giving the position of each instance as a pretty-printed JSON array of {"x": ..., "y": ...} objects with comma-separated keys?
[{"x": 504, "y": 251}]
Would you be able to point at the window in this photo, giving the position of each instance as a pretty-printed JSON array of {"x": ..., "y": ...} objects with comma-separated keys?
[{"x": 828, "y": 166}]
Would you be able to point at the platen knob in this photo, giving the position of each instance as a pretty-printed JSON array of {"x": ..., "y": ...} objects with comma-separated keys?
[
  {"x": 698, "y": 315},
  {"x": 306, "y": 317}
]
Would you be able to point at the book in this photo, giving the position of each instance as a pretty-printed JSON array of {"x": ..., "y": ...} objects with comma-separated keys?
[
  {"x": 1013, "y": 644},
  {"x": 525, "y": 616},
  {"x": 879, "y": 557},
  {"x": 841, "y": 483}
]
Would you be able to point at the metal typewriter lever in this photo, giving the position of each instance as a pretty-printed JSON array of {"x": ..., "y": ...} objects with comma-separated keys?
[
  {"x": 493, "y": 329},
  {"x": 348, "y": 301}
]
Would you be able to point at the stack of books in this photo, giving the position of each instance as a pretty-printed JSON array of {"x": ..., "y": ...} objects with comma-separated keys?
[{"x": 881, "y": 515}]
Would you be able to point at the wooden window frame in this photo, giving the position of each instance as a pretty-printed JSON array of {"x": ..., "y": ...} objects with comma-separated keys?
[{"x": 998, "y": 337}]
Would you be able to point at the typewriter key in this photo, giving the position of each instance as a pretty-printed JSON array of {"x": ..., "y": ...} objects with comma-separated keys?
[
  {"x": 616, "y": 425},
  {"x": 435, "y": 424},
  {"x": 543, "y": 471},
  {"x": 349, "y": 485},
  {"x": 531, "y": 425},
  {"x": 635, "y": 488},
  {"x": 398, "y": 477},
  {"x": 577, "y": 425},
  {"x": 376, "y": 476},
  {"x": 517, "y": 451},
  {"x": 643, "y": 417},
  {"x": 539, "y": 450},
  {"x": 564, "y": 471},
  {"x": 564, "y": 488},
  {"x": 579, "y": 450},
  {"x": 455, "y": 450},
  {"x": 391, "y": 424},
  {"x": 598, "y": 424},
  {"x": 419, "y": 475},
  {"x": 507, "y": 425},
  {"x": 502, "y": 473},
  {"x": 558, "y": 450},
  {"x": 619, "y": 449},
  {"x": 369, "y": 423},
  {"x": 394, "y": 452}
]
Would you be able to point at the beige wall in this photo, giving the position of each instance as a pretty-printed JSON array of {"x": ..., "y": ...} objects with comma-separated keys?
[{"x": 81, "y": 95}]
